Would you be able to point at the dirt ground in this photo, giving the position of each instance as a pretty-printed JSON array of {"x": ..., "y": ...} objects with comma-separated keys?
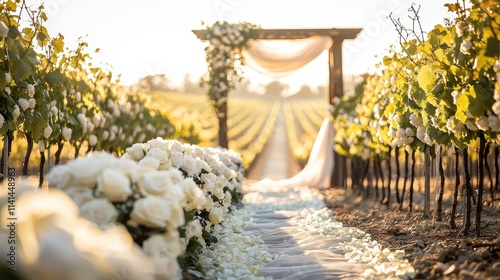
[{"x": 435, "y": 250}]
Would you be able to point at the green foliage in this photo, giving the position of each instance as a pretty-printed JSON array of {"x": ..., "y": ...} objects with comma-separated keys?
[
  {"x": 439, "y": 89},
  {"x": 57, "y": 95}
]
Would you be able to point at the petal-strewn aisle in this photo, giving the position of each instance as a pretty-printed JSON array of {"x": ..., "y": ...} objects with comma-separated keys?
[{"x": 288, "y": 233}]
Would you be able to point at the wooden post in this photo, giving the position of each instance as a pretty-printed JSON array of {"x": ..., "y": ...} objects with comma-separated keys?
[
  {"x": 5, "y": 157},
  {"x": 336, "y": 88},
  {"x": 222, "y": 117}
]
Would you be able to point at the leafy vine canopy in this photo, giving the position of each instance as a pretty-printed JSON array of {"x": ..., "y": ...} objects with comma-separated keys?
[{"x": 224, "y": 59}]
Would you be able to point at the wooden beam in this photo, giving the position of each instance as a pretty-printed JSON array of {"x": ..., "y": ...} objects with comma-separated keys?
[{"x": 271, "y": 34}]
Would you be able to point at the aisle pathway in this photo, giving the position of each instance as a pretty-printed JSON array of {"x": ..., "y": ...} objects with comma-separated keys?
[
  {"x": 300, "y": 232},
  {"x": 276, "y": 161}
]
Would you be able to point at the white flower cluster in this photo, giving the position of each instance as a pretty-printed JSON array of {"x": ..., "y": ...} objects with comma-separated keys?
[
  {"x": 218, "y": 172},
  {"x": 226, "y": 40},
  {"x": 106, "y": 187},
  {"x": 358, "y": 246},
  {"x": 54, "y": 242},
  {"x": 237, "y": 254},
  {"x": 422, "y": 133}
]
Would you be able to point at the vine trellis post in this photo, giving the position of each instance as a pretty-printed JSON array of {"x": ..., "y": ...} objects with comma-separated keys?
[
  {"x": 336, "y": 81},
  {"x": 5, "y": 157}
]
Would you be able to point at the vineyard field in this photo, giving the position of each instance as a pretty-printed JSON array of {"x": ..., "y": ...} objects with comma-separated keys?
[{"x": 250, "y": 121}]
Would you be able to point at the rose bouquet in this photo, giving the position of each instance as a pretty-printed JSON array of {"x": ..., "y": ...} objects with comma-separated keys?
[{"x": 153, "y": 205}]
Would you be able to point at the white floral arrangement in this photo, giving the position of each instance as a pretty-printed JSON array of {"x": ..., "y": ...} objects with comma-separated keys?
[
  {"x": 150, "y": 203},
  {"x": 218, "y": 172},
  {"x": 224, "y": 59},
  {"x": 169, "y": 196},
  {"x": 52, "y": 241}
]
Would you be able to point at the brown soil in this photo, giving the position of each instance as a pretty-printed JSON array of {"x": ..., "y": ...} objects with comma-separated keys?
[{"x": 435, "y": 250}]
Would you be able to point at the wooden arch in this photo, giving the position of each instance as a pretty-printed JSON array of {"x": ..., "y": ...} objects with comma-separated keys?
[{"x": 336, "y": 77}]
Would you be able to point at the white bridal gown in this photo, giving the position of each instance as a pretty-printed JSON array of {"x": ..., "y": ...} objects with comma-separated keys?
[{"x": 318, "y": 169}]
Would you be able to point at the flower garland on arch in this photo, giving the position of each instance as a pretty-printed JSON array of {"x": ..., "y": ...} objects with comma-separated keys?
[{"x": 224, "y": 59}]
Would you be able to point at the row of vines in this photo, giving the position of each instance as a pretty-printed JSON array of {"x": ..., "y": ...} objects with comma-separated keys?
[
  {"x": 437, "y": 99},
  {"x": 52, "y": 96},
  {"x": 250, "y": 121}
]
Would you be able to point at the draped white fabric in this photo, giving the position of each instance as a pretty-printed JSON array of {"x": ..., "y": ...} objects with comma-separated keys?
[
  {"x": 318, "y": 170},
  {"x": 278, "y": 58}
]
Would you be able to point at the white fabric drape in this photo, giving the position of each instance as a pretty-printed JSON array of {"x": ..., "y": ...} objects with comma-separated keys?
[
  {"x": 278, "y": 58},
  {"x": 318, "y": 170}
]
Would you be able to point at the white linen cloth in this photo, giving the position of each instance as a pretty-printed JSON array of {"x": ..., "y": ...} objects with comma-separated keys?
[
  {"x": 318, "y": 170},
  {"x": 278, "y": 58}
]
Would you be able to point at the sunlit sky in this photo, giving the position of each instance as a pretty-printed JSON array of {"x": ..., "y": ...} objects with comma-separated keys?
[{"x": 145, "y": 37}]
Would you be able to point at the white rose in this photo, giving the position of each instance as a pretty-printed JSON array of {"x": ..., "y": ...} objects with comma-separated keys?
[
  {"x": 16, "y": 112},
  {"x": 23, "y": 103},
  {"x": 153, "y": 211},
  {"x": 215, "y": 215},
  {"x": 194, "y": 228},
  {"x": 7, "y": 90},
  {"x": 157, "y": 153},
  {"x": 41, "y": 144},
  {"x": 81, "y": 118},
  {"x": 160, "y": 184},
  {"x": 421, "y": 132},
  {"x": 90, "y": 126},
  {"x": 163, "y": 245},
  {"x": 483, "y": 123},
  {"x": 63, "y": 93},
  {"x": 66, "y": 133},
  {"x": 31, "y": 90},
  {"x": 105, "y": 136},
  {"x": 112, "y": 136},
  {"x": 8, "y": 78},
  {"x": 47, "y": 131},
  {"x": 174, "y": 145},
  {"x": 401, "y": 133},
  {"x": 194, "y": 196},
  {"x": 202, "y": 165},
  {"x": 54, "y": 110},
  {"x": 80, "y": 195},
  {"x": 60, "y": 176},
  {"x": 103, "y": 122},
  {"x": 496, "y": 108},
  {"x": 494, "y": 123},
  {"x": 114, "y": 185},
  {"x": 465, "y": 46},
  {"x": 177, "y": 159},
  {"x": 209, "y": 181},
  {"x": 2, "y": 120},
  {"x": 78, "y": 96},
  {"x": 32, "y": 103},
  {"x": 92, "y": 140},
  {"x": 150, "y": 162},
  {"x": 156, "y": 143},
  {"x": 99, "y": 211},
  {"x": 136, "y": 151},
  {"x": 409, "y": 132},
  {"x": 219, "y": 193},
  {"x": 189, "y": 165},
  {"x": 228, "y": 197},
  {"x": 96, "y": 119}
]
